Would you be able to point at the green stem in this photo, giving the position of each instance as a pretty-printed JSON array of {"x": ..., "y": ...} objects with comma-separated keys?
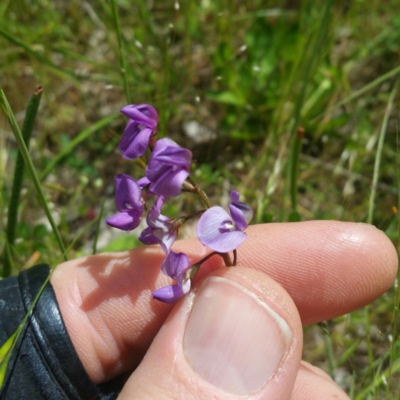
[
  {"x": 396, "y": 307},
  {"x": 141, "y": 163},
  {"x": 293, "y": 168},
  {"x": 367, "y": 324},
  {"x": 29, "y": 164},
  {"x": 295, "y": 139},
  {"x": 367, "y": 87},
  {"x": 382, "y": 134},
  {"x": 183, "y": 220},
  {"x": 122, "y": 62},
  {"x": 96, "y": 236},
  {"x": 379, "y": 150},
  {"x": 195, "y": 267},
  {"x": 8, "y": 347},
  {"x": 12, "y": 217},
  {"x": 199, "y": 192},
  {"x": 36, "y": 54},
  {"x": 328, "y": 346},
  {"x": 69, "y": 148}
]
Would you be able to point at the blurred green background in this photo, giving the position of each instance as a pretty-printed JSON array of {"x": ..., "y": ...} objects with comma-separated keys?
[{"x": 290, "y": 102}]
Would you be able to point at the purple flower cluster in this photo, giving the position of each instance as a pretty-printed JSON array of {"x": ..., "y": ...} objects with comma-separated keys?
[{"x": 167, "y": 169}]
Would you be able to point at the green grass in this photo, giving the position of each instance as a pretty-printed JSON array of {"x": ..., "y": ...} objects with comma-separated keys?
[{"x": 253, "y": 73}]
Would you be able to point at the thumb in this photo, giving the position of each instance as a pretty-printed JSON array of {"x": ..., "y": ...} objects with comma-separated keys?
[{"x": 237, "y": 334}]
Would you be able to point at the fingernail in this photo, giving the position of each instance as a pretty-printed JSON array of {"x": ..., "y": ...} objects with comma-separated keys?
[{"x": 234, "y": 340}]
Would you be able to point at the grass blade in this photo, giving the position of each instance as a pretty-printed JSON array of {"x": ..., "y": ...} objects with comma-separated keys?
[
  {"x": 96, "y": 236},
  {"x": 78, "y": 139},
  {"x": 8, "y": 346},
  {"x": 79, "y": 234},
  {"x": 378, "y": 157},
  {"x": 371, "y": 207},
  {"x": 396, "y": 321},
  {"x": 329, "y": 350},
  {"x": 122, "y": 62},
  {"x": 296, "y": 139},
  {"x": 360, "y": 92},
  {"x": 37, "y": 55},
  {"x": 28, "y": 162},
  {"x": 12, "y": 217},
  {"x": 368, "y": 87}
]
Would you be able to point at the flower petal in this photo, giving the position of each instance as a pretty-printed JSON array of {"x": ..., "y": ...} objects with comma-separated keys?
[
  {"x": 130, "y": 132},
  {"x": 147, "y": 237},
  {"x": 210, "y": 224},
  {"x": 234, "y": 195},
  {"x": 142, "y": 114},
  {"x": 154, "y": 218},
  {"x": 165, "y": 238},
  {"x": 170, "y": 183},
  {"x": 143, "y": 182},
  {"x": 170, "y": 294},
  {"x": 159, "y": 203},
  {"x": 175, "y": 264},
  {"x": 212, "y": 230},
  {"x": 175, "y": 156},
  {"x": 162, "y": 144},
  {"x": 238, "y": 217},
  {"x": 155, "y": 170},
  {"x": 227, "y": 241},
  {"x": 128, "y": 194},
  {"x": 137, "y": 145},
  {"x": 245, "y": 209},
  {"x": 125, "y": 221}
]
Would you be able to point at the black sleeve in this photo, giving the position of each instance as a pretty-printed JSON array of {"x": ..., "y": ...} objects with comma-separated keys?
[{"x": 44, "y": 363}]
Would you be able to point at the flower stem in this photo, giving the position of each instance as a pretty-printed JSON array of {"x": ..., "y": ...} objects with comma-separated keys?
[
  {"x": 200, "y": 193},
  {"x": 192, "y": 271},
  {"x": 227, "y": 259},
  {"x": 177, "y": 223},
  {"x": 187, "y": 187},
  {"x": 141, "y": 163},
  {"x": 187, "y": 217},
  {"x": 207, "y": 257}
]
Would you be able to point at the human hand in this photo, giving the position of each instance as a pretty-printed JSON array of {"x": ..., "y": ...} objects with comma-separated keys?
[{"x": 239, "y": 332}]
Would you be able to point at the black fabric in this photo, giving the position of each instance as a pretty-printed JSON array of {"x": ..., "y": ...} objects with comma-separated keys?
[{"x": 44, "y": 363}]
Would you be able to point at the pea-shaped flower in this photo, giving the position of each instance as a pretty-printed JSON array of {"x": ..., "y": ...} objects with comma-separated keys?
[
  {"x": 222, "y": 232},
  {"x": 128, "y": 200},
  {"x": 142, "y": 124},
  {"x": 160, "y": 229},
  {"x": 175, "y": 266},
  {"x": 168, "y": 168}
]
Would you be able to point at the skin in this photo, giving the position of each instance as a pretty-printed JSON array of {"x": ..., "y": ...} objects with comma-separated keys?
[{"x": 317, "y": 270}]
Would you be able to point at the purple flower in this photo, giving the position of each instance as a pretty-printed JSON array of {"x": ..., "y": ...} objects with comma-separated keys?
[
  {"x": 175, "y": 266},
  {"x": 142, "y": 124},
  {"x": 168, "y": 168},
  {"x": 160, "y": 228},
  {"x": 128, "y": 200},
  {"x": 222, "y": 232}
]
